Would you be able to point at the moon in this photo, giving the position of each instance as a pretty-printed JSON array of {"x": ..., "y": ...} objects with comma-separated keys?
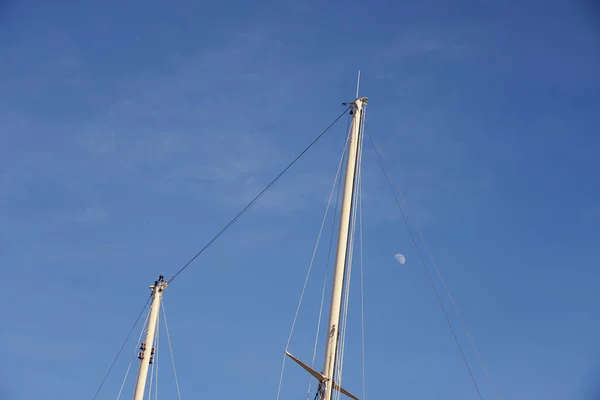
[{"x": 400, "y": 258}]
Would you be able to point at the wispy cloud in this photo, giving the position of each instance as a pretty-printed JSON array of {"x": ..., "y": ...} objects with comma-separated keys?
[
  {"x": 418, "y": 43},
  {"x": 414, "y": 47}
]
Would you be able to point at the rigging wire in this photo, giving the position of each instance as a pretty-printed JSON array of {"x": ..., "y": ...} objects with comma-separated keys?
[
  {"x": 338, "y": 182},
  {"x": 122, "y": 347},
  {"x": 385, "y": 171},
  {"x": 155, "y": 347},
  {"x": 156, "y": 355},
  {"x": 171, "y": 352},
  {"x": 133, "y": 356},
  {"x": 442, "y": 280},
  {"x": 217, "y": 236},
  {"x": 339, "y": 360},
  {"x": 362, "y": 302},
  {"x": 311, "y": 261},
  {"x": 151, "y": 381},
  {"x": 234, "y": 220},
  {"x": 320, "y": 319},
  {"x": 350, "y": 255}
]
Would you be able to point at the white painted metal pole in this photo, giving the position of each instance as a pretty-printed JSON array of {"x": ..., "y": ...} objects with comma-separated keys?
[
  {"x": 147, "y": 347},
  {"x": 340, "y": 261}
]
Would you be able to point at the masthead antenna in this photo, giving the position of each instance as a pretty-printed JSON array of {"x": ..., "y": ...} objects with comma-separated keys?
[{"x": 358, "y": 83}]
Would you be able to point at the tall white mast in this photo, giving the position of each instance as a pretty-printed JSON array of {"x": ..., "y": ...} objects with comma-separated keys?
[
  {"x": 342, "y": 247},
  {"x": 147, "y": 349},
  {"x": 326, "y": 378}
]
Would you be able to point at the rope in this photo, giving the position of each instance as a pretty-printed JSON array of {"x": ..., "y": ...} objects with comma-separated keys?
[
  {"x": 171, "y": 352},
  {"x": 133, "y": 356},
  {"x": 439, "y": 274},
  {"x": 362, "y": 303},
  {"x": 426, "y": 270},
  {"x": 121, "y": 349},
  {"x": 156, "y": 356},
  {"x": 234, "y": 220},
  {"x": 308, "y": 272}
]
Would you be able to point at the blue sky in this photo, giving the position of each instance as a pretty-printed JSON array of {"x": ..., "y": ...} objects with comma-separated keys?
[{"x": 131, "y": 132}]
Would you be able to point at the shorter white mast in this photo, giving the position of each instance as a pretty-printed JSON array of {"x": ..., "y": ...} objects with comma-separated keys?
[
  {"x": 326, "y": 378},
  {"x": 147, "y": 349}
]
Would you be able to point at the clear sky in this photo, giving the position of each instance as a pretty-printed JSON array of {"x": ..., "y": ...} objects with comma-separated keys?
[{"x": 131, "y": 132}]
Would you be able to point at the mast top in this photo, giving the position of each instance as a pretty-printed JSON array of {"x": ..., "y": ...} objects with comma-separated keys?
[
  {"x": 159, "y": 285},
  {"x": 355, "y": 104},
  {"x": 361, "y": 99}
]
